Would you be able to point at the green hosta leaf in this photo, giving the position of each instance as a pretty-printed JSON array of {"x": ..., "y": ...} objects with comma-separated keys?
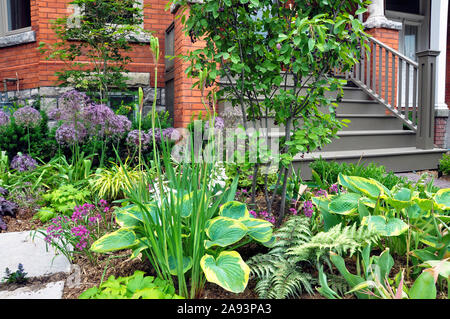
[
  {"x": 329, "y": 219},
  {"x": 123, "y": 238},
  {"x": 424, "y": 203},
  {"x": 385, "y": 227},
  {"x": 344, "y": 204},
  {"x": 234, "y": 210},
  {"x": 370, "y": 188},
  {"x": 224, "y": 231},
  {"x": 187, "y": 264},
  {"x": 259, "y": 229},
  {"x": 442, "y": 198},
  {"x": 401, "y": 199},
  {"x": 424, "y": 287},
  {"x": 133, "y": 215},
  {"x": 228, "y": 271}
]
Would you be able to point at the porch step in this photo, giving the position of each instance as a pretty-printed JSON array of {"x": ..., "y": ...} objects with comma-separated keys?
[
  {"x": 358, "y": 122},
  {"x": 365, "y": 139},
  {"x": 396, "y": 159}
]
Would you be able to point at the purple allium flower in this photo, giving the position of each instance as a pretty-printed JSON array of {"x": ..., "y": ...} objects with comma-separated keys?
[
  {"x": 97, "y": 116},
  {"x": 4, "y": 118},
  {"x": 71, "y": 105},
  {"x": 157, "y": 134},
  {"x": 69, "y": 134},
  {"x": 219, "y": 123},
  {"x": 119, "y": 125},
  {"x": 244, "y": 191},
  {"x": 171, "y": 133},
  {"x": 23, "y": 162},
  {"x": 308, "y": 208},
  {"x": 27, "y": 117},
  {"x": 133, "y": 138},
  {"x": 334, "y": 188}
]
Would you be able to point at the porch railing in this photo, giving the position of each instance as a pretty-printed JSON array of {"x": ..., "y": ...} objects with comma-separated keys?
[
  {"x": 405, "y": 87},
  {"x": 390, "y": 78}
]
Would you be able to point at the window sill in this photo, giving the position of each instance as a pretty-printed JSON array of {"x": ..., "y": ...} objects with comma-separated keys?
[{"x": 17, "y": 39}]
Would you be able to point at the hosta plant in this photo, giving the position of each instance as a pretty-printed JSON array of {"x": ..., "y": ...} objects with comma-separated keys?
[{"x": 222, "y": 265}]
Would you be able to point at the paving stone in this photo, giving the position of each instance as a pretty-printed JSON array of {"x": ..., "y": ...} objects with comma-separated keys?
[
  {"x": 52, "y": 290},
  {"x": 20, "y": 247},
  {"x": 414, "y": 178}
]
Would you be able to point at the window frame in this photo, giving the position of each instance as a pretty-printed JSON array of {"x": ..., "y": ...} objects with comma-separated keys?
[{"x": 4, "y": 32}]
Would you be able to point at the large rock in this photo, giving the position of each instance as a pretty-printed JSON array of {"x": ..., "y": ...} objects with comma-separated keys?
[{"x": 32, "y": 253}]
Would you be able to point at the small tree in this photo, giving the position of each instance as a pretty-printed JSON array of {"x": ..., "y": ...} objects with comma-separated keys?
[
  {"x": 279, "y": 59},
  {"x": 93, "y": 42}
]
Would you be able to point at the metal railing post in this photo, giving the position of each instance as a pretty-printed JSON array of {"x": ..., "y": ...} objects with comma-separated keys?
[{"x": 426, "y": 101}]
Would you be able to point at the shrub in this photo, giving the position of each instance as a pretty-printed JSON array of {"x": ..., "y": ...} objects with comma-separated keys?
[{"x": 444, "y": 164}]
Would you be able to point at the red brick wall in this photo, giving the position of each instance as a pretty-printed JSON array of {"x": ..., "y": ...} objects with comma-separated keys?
[
  {"x": 440, "y": 125},
  {"x": 36, "y": 71},
  {"x": 187, "y": 101},
  {"x": 22, "y": 60},
  {"x": 390, "y": 38}
]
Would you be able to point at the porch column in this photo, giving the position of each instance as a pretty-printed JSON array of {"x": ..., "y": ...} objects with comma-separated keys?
[
  {"x": 438, "y": 42},
  {"x": 377, "y": 19}
]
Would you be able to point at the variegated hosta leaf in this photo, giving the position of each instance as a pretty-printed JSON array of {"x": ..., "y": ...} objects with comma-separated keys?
[
  {"x": 258, "y": 229},
  {"x": 228, "y": 271},
  {"x": 187, "y": 264},
  {"x": 133, "y": 215},
  {"x": 370, "y": 188},
  {"x": 123, "y": 238},
  {"x": 442, "y": 198},
  {"x": 234, "y": 210},
  {"x": 224, "y": 231},
  {"x": 344, "y": 204},
  {"x": 401, "y": 199},
  {"x": 424, "y": 203},
  {"x": 385, "y": 227}
]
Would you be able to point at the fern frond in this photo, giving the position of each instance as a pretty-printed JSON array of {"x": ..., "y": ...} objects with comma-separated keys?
[{"x": 339, "y": 239}]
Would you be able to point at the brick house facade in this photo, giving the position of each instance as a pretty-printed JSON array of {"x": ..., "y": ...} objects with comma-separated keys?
[{"x": 20, "y": 58}]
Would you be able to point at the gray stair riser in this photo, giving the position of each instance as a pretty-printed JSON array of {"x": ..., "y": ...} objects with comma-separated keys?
[
  {"x": 361, "y": 142},
  {"x": 360, "y": 108},
  {"x": 372, "y": 123},
  {"x": 397, "y": 164},
  {"x": 356, "y": 124}
]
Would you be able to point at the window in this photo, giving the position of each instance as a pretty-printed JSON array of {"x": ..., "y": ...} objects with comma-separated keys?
[
  {"x": 15, "y": 16},
  {"x": 124, "y": 16},
  {"x": 408, "y": 6}
]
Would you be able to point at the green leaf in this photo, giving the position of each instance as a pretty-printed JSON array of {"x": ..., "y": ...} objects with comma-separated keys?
[
  {"x": 385, "y": 227},
  {"x": 234, "y": 210},
  {"x": 224, "y": 231},
  {"x": 344, "y": 204},
  {"x": 258, "y": 229},
  {"x": 352, "y": 280},
  {"x": 123, "y": 238},
  {"x": 228, "y": 271},
  {"x": 424, "y": 287},
  {"x": 187, "y": 264},
  {"x": 442, "y": 198}
]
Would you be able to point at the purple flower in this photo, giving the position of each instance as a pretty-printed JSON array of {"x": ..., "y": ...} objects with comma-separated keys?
[
  {"x": 4, "y": 118},
  {"x": 271, "y": 219},
  {"x": 69, "y": 134},
  {"x": 70, "y": 106},
  {"x": 334, "y": 188},
  {"x": 119, "y": 125},
  {"x": 308, "y": 208},
  {"x": 133, "y": 138},
  {"x": 157, "y": 134},
  {"x": 321, "y": 192},
  {"x": 250, "y": 177},
  {"x": 27, "y": 117},
  {"x": 264, "y": 214},
  {"x": 253, "y": 213},
  {"x": 219, "y": 123},
  {"x": 279, "y": 46},
  {"x": 293, "y": 211},
  {"x": 23, "y": 162},
  {"x": 171, "y": 133}
]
